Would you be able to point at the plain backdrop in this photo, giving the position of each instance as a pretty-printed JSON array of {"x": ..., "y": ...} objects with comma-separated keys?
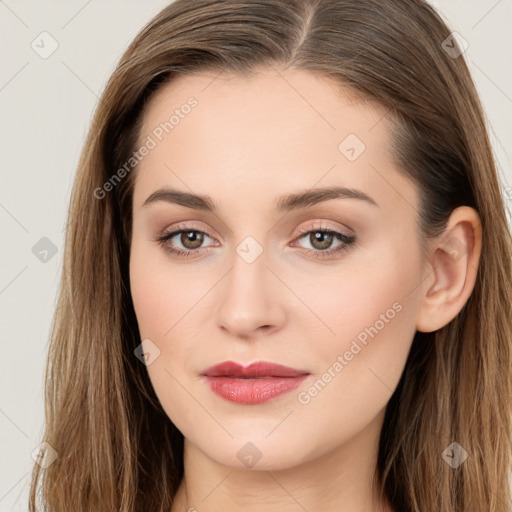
[{"x": 46, "y": 104}]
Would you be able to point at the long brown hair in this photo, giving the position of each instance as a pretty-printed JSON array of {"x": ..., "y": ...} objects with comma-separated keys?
[{"x": 117, "y": 449}]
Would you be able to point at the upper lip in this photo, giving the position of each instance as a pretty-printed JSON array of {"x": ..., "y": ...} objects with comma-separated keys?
[{"x": 254, "y": 370}]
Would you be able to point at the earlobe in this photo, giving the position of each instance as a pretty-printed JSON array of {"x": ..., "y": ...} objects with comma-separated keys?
[{"x": 453, "y": 262}]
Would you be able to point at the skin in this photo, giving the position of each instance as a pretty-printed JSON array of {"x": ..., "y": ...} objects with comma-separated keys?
[{"x": 248, "y": 142}]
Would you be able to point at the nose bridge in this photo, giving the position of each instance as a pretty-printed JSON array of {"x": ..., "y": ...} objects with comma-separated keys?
[
  {"x": 249, "y": 264},
  {"x": 248, "y": 300},
  {"x": 248, "y": 283}
]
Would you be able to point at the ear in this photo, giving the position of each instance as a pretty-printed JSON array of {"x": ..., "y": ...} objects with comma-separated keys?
[{"x": 452, "y": 263}]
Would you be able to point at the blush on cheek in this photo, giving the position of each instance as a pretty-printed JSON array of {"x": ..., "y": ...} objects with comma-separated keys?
[
  {"x": 152, "y": 298},
  {"x": 369, "y": 324}
]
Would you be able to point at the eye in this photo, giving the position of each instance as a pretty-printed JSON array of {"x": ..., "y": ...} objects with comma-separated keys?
[
  {"x": 321, "y": 239},
  {"x": 190, "y": 239}
]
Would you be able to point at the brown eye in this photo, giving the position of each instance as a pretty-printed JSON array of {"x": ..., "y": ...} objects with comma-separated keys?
[
  {"x": 191, "y": 239},
  {"x": 321, "y": 240},
  {"x": 184, "y": 242},
  {"x": 325, "y": 242}
]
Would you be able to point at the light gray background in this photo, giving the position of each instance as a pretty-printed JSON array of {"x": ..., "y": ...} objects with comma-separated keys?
[{"x": 46, "y": 106}]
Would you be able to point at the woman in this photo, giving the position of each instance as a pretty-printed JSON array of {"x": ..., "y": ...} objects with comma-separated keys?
[{"x": 287, "y": 280}]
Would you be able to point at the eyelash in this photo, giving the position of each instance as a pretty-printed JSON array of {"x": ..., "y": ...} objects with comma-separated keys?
[{"x": 348, "y": 240}]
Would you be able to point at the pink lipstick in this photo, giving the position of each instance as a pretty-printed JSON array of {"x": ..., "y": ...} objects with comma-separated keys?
[{"x": 253, "y": 384}]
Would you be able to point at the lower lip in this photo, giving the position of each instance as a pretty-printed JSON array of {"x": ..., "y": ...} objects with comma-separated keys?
[{"x": 253, "y": 391}]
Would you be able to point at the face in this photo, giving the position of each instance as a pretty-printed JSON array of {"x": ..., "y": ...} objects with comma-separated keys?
[{"x": 327, "y": 284}]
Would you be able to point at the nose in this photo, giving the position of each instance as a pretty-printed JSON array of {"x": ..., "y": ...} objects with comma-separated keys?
[{"x": 249, "y": 304}]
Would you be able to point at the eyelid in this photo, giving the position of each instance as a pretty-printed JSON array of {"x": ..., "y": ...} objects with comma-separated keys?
[
  {"x": 322, "y": 226},
  {"x": 318, "y": 225},
  {"x": 186, "y": 226}
]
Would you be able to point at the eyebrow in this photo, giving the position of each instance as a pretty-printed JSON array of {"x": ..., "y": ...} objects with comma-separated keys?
[{"x": 284, "y": 203}]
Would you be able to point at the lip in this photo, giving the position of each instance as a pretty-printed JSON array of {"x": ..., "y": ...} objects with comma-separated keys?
[
  {"x": 254, "y": 384},
  {"x": 254, "y": 370}
]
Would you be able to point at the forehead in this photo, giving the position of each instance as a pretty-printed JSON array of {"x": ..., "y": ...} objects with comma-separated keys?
[
  {"x": 277, "y": 130},
  {"x": 264, "y": 95}
]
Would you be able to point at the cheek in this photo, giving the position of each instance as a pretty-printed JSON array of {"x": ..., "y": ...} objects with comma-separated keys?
[
  {"x": 372, "y": 313},
  {"x": 162, "y": 297},
  {"x": 364, "y": 311},
  {"x": 161, "y": 294}
]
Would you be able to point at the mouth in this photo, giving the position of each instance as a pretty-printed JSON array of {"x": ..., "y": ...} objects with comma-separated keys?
[{"x": 254, "y": 384}]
